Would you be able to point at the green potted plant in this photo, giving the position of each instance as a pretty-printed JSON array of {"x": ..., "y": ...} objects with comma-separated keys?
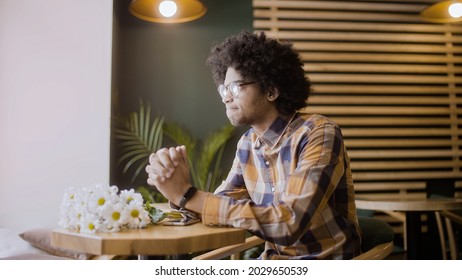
[
  {"x": 204, "y": 157},
  {"x": 140, "y": 134}
]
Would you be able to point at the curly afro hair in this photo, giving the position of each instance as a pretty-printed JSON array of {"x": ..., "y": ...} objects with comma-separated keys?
[{"x": 274, "y": 64}]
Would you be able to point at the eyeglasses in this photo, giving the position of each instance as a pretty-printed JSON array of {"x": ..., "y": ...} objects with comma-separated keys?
[{"x": 233, "y": 88}]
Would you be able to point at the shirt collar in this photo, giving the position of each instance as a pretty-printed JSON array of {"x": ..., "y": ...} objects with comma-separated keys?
[{"x": 275, "y": 132}]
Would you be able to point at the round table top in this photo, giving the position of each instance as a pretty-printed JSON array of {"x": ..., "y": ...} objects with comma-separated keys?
[{"x": 408, "y": 204}]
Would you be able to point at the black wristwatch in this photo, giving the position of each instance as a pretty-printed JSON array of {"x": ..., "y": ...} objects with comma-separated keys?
[{"x": 187, "y": 196}]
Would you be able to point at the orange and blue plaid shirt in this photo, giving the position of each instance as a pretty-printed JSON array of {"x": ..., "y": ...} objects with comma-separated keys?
[{"x": 293, "y": 187}]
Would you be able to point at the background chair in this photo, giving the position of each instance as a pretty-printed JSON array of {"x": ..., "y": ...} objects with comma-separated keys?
[
  {"x": 377, "y": 242},
  {"x": 376, "y": 238},
  {"x": 441, "y": 188},
  {"x": 446, "y": 229}
]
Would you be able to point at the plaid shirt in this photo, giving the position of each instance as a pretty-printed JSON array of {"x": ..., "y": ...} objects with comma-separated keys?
[{"x": 293, "y": 188}]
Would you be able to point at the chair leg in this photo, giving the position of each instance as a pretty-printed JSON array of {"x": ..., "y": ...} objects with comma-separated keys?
[
  {"x": 400, "y": 217},
  {"x": 441, "y": 233},
  {"x": 452, "y": 240},
  {"x": 405, "y": 235}
]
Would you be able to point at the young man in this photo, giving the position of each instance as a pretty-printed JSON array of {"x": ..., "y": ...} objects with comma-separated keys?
[{"x": 290, "y": 182}]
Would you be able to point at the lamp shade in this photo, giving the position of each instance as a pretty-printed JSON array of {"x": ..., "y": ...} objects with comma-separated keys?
[
  {"x": 167, "y": 11},
  {"x": 443, "y": 12}
]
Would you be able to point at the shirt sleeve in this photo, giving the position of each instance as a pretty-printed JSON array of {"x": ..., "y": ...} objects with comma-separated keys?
[{"x": 318, "y": 170}]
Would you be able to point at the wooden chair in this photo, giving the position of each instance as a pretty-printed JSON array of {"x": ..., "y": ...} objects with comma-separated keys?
[
  {"x": 377, "y": 237},
  {"x": 445, "y": 229},
  {"x": 232, "y": 251}
]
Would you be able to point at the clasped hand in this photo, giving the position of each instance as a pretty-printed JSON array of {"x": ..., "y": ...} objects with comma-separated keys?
[{"x": 168, "y": 171}]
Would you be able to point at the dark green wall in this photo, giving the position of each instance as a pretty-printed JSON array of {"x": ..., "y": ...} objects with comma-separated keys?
[{"x": 164, "y": 65}]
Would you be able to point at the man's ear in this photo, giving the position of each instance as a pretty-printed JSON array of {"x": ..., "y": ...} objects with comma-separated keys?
[{"x": 273, "y": 94}]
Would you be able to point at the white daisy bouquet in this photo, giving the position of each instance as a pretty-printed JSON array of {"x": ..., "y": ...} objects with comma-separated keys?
[{"x": 103, "y": 209}]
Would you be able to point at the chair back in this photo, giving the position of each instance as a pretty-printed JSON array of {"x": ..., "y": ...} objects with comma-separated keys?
[{"x": 376, "y": 238}]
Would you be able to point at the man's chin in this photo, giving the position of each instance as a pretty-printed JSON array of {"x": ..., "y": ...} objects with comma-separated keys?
[
  {"x": 237, "y": 123},
  {"x": 234, "y": 122}
]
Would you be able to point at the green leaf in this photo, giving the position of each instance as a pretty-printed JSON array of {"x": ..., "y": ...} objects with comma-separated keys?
[
  {"x": 155, "y": 214},
  {"x": 155, "y": 134},
  {"x": 150, "y": 194},
  {"x": 139, "y": 136},
  {"x": 146, "y": 193},
  {"x": 210, "y": 151},
  {"x": 140, "y": 168},
  {"x": 204, "y": 172}
]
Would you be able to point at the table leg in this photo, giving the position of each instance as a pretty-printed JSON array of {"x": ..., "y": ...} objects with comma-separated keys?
[{"x": 414, "y": 235}]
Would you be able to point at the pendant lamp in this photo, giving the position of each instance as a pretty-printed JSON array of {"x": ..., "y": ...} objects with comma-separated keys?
[
  {"x": 443, "y": 12},
  {"x": 167, "y": 11}
]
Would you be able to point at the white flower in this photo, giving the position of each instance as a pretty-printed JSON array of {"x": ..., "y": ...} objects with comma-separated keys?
[
  {"x": 101, "y": 209},
  {"x": 71, "y": 208},
  {"x": 112, "y": 214},
  {"x": 89, "y": 223},
  {"x": 101, "y": 196},
  {"x": 127, "y": 196},
  {"x": 136, "y": 215}
]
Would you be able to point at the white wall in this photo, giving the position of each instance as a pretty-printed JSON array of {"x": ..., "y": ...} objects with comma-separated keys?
[{"x": 55, "y": 71}]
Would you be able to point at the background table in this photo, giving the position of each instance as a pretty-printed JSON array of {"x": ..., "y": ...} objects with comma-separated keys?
[
  {"x": 413, "y": 209},
  {"x": 154, "y": 240}
]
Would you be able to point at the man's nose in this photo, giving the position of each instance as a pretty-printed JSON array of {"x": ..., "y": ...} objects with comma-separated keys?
[{"x": 227, "y": 97}]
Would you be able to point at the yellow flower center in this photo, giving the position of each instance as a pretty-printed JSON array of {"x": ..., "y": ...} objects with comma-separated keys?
[
  {"x": 116, "y": 216},
  {"x": 135, "y": 213},
  {"x": 101, "y": 201},
  {"x": 129, "y": 199},
  {"x": 91, "y": 226}
]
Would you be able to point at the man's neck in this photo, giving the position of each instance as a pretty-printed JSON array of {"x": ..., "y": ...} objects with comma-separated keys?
[{"x": 264, "y": 126}]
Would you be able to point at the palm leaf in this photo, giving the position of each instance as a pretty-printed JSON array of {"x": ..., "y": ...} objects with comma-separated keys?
[
  {"x": 212, "y": 149},
  {"x": 202, "y": 173},
  {"x": 181, "y": 136},
  {"x": 215, "y": 175},
  {"x": 139, "y": 138},
  {"x": 150, "y": 195}
]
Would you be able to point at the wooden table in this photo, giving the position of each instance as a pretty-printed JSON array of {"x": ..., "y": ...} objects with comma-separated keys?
[
  {"x": 154, "y": 240},
  {"x": 413, "y": 209}
]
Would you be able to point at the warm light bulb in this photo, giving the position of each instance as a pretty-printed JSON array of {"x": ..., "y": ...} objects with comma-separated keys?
[
  {"x": 167, "y": 8},
  {"x": 455, "y": 10}
]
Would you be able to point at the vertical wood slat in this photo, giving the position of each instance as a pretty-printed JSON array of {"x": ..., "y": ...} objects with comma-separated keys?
[{"x": 389, "y": 79}]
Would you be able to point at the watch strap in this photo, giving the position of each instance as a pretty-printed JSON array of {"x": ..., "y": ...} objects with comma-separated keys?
[{"x": 187, "y": 196}]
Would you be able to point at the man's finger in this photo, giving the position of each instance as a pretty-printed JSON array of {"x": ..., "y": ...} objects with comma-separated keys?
[
  {"x": 154, "y": 178},
  {"x": 163, "y": 159},
  {"x": 175, "y": 156}
]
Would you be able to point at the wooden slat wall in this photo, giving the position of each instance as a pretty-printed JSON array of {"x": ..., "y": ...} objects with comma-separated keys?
[{"x": 392, "y": 82}]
